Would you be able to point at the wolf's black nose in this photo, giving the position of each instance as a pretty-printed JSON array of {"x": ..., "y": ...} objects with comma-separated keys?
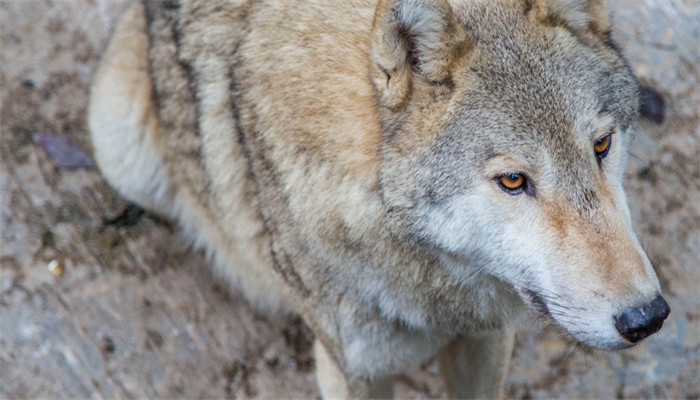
[{"x": 636, "y": 323}]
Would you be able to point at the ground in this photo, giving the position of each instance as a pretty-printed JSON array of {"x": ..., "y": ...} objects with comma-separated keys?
[{"x": 135, "y": 314}]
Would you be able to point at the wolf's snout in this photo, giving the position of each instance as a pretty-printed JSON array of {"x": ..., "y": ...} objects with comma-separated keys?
[{"x": 636, "y": 323}]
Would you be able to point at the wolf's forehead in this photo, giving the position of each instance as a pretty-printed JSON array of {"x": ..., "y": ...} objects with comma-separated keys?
[
  {"x": 531, "y": 104},
  {"x": 551, "y": 80},
  {"x": 535, "y": 92},
  {"x": 547, "y": 77}
]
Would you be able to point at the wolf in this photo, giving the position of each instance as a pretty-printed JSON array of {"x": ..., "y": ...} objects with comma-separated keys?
[{"x": 409, "y": 176}]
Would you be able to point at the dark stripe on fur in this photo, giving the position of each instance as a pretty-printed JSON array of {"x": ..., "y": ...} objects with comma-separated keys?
[{"x": 280, "y": 259}]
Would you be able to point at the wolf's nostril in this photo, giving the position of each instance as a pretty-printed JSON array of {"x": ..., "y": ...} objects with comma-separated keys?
[{"x": 636, "y": 323}]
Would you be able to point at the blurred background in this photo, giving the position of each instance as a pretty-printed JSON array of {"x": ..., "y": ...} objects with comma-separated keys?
[{"x": 98, "y": 299}]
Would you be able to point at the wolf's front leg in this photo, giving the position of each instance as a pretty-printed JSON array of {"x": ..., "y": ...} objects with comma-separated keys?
[
  {"x": 475, "y": 366},
  {"x": 334, "y": 384}
]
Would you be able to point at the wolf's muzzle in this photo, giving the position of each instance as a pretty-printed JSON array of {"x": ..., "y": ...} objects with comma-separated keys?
[{"x": 636, "y": 323}]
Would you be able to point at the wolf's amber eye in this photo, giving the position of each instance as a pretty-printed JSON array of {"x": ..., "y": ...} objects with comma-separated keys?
[
  {"x": 602, "y": 145},
  {"x": 512, "y": 182}
]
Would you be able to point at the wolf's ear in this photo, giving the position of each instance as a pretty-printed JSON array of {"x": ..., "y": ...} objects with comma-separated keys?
[
  {"x": 413, "y": 38},
  {"x": 578, "y": 15}
]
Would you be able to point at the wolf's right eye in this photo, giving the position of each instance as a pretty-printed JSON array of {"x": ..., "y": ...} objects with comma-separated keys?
[{"x": 512, "y": 183}]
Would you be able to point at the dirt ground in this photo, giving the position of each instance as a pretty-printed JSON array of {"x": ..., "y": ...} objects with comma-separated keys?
[{"x": 135, "y": 314}]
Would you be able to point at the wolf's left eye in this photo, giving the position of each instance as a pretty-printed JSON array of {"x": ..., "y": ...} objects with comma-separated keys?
[{"x": 602, "y": 146}]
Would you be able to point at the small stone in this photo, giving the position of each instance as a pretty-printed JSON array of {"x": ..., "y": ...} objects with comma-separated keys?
[
  {"x": 55, "y": 267},
  {"x": 63, "y": 151}
]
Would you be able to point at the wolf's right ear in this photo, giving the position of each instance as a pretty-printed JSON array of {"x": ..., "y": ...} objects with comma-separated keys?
[{"x": 413, "y": 38}]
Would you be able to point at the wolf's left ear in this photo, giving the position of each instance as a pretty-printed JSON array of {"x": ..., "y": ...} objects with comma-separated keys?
[
  {"x": 413, "y": 39},
  {"x": 578, "y": 15}
]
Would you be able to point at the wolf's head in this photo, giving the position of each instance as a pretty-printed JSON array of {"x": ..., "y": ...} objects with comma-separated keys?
[{"x": 506, "y": 126}]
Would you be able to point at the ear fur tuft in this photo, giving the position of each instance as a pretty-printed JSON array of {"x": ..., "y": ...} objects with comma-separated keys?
[{"x": 409, "y": 38}]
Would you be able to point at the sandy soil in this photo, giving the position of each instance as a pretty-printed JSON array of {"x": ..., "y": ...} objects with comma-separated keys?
[{"x": 136, "y": 314}]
